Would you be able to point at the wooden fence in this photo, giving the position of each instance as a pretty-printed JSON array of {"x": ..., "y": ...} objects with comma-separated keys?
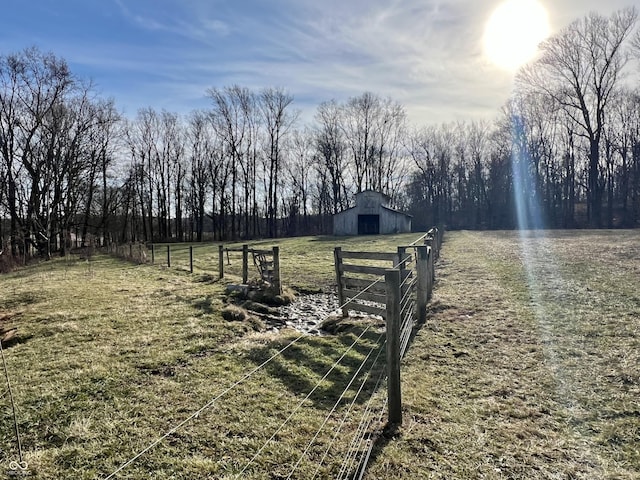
[
  {"x": 396, "y": 286},
  {"x": 267, "y": 262}
]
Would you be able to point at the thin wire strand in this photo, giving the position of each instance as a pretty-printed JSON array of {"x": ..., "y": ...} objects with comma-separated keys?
[
  {"x": 299, "y": 406},
  {"x": 362, "y": 467},
  {"x": 353, "y": 402},
  {"x": 360, "y": 433},
  {"x": 362, "y": 426},
  {"x": 369, "y": 434},
  {"x": 366, "y": 423},
  {"x": 335, "y": 406},
  {"x": 21, "y": 465},
  {"x": 202, "y": 409}
]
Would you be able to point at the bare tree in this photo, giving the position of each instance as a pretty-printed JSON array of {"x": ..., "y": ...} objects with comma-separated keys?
[
  {"x": 32, "y": 85},
  {"x": 359, "y": 122},
  {"x": 300, "y": 171},
  {"x": 476, "y": 140},
  {"x": 432, "y": 150},
  {"x": 580, "y": 69},
  {"x": 141, "y": 139},
  {"x": 200, "y": 183},
  {"x": 231, "y": 123},
  {"x": 331, "y": 158},
  {"x": 278, "y": 120}
]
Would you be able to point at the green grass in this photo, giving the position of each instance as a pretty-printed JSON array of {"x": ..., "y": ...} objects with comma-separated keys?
[
  {"x": 516, "y": 374},
  {"x": 306, "y": 262},
  {"x": 110, "y": 356}
]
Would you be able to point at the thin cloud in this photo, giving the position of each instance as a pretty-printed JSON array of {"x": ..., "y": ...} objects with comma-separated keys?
[{"x": 425, "y": 54}]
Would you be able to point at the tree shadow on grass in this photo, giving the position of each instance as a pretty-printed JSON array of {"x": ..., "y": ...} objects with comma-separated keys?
[{"x": 301, "y": 366}]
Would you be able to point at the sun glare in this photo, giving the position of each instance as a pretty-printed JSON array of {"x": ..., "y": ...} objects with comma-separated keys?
[{"x": 513, "y": 32}]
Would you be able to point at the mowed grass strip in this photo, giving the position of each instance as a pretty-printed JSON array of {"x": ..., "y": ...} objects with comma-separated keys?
[
  {"x": 111, "y": 356},
  {"x": 529, "y": 364}
]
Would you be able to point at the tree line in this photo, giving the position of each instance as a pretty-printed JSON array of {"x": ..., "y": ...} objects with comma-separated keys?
[{"x": 564, "y": 152}]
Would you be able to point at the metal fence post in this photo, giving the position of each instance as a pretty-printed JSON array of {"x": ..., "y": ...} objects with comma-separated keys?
[
  {"x": 191, "y": 258},
  {"x": 245, "y": 263},
  {"x": 392, "y": 279},
  {"x": 169, "y": 256},
  {"x": 153, "y": 254},
  {"x": 276, "y": 269},
  {"x": 220, "y": 261}
]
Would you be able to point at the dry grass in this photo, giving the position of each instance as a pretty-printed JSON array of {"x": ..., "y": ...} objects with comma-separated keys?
[
  {"x": 515, "y": 375},
  {"x": 529, "y": 365},
  {"x": 110, "y": 356},
  {"x": 306, "y": 262}
]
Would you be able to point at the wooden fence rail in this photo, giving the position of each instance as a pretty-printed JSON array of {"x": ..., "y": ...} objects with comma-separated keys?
[
  {"x": 395, "y": 286},
  {"x": 267, "y": 261}
]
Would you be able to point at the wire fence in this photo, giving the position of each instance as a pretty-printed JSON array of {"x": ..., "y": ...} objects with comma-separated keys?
[{"x": 365, "y": 384}]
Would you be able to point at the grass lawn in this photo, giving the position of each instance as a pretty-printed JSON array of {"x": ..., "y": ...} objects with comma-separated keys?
[
  {"x": 529, "y": 364},
  {"x": 527, "y": 367}
]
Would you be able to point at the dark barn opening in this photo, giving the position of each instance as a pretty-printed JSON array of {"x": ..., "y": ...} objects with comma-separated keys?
[{"x": 368, "y": 224}]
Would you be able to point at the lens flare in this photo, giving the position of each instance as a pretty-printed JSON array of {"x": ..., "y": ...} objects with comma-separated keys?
[{"x": 525, "y": 188}]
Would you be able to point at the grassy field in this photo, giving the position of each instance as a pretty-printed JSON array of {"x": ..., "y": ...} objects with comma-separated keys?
[{"x": 528, "y": 367}]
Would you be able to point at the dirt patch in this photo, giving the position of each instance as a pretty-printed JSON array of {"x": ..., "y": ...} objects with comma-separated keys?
[{"x": 307, "y": 312}]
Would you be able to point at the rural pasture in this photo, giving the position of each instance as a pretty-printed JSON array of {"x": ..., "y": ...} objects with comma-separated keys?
[{"x": 528, "y": 367}]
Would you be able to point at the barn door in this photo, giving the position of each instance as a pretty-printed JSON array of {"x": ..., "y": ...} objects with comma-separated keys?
[{"x": 368, "y": 224}]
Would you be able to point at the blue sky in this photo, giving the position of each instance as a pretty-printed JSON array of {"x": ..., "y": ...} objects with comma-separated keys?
[{"x": 164, "y": 54}]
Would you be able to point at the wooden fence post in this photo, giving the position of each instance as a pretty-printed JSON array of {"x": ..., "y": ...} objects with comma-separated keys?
[
  {"x": 245, "y": 263},
  {"x": 131, "y": 251},
  {"x": 169, "y": 256},
  {"x": 220, "y": 262},
  {"x": 191, "y": 258},
  {"x": 432, "y": 252},
  {"x": 422, "y": 268},
  {"x": 431, "y": 275},
  {"x": 337, "y": 256},
  {"x": 392, "y": 280},
  {"x": 153, "y": 253},
  {"x": 276, "y": 270},
  {"x": 432, "y": 267}
]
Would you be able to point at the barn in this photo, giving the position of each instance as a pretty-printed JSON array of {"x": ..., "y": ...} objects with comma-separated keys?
[{"x": 371, "y": 216}]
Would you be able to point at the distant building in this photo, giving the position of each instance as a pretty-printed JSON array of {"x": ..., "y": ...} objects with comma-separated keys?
[{"x": 371, "y": 216}]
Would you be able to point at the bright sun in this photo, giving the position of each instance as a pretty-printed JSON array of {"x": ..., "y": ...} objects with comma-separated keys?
[{"x": 513, "y": 32}]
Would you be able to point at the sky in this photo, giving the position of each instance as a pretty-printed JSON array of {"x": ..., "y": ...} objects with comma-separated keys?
[{"x": 165, "y": 54}]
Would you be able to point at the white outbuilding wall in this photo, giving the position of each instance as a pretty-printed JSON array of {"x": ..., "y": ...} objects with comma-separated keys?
[{"x": 371, "y": 216}]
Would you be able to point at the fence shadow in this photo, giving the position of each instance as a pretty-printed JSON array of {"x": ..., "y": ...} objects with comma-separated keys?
[{"x": 301, "y": 366}]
